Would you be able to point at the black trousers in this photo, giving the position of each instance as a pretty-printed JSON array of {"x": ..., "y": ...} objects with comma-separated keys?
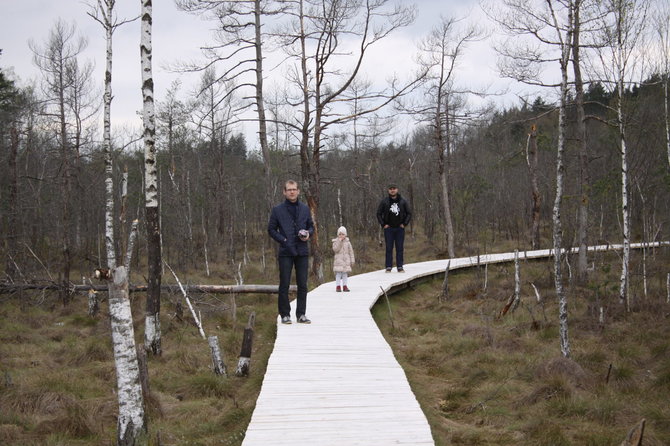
[{"x": 286, "y": 265}]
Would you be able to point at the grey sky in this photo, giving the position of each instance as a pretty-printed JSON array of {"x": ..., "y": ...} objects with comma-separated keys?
[{"x": 177, "y": 36}]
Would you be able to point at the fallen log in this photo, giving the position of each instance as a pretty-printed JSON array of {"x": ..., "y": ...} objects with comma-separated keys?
[{"x": 202, "y": 289}]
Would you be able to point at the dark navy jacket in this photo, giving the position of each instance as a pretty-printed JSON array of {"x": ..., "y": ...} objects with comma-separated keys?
[{"x": 284, "y": 229}]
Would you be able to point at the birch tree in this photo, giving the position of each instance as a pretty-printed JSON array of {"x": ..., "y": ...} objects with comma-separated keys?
[
  {"x": 103, "y": 13},
  {"x": 523, "y": 60},
  {"x": 623, "y": 27},
  {"x": 152, "y": 327},
  {"x": 131, "y": 426},
  {"x": 549, "y": 24},
  {"x": 662, "y": 27}
]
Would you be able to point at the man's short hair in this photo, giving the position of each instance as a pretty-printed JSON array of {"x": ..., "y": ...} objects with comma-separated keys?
[{"x": 291, "y": 182}]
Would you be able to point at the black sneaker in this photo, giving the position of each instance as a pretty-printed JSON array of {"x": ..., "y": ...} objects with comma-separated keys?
[
  {"x": 286, "y": 320},
  {"x": 401, "y": 270},
  {"x": 303, "y": 320},
  {"x": 388, "y": 270}
]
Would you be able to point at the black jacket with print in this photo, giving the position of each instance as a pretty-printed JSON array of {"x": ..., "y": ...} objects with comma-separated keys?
[{"x": 384, "y": 209}]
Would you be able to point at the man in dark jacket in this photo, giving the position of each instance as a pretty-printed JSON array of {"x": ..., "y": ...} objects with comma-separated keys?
[
  {"x": 291, "y": 226},
  {"x": 394, "y": 213}
]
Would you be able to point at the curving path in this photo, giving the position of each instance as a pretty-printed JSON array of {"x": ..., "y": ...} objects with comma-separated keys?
[{"x": 336, "y": 381}]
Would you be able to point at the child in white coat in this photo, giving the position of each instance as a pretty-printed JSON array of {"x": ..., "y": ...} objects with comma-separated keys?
[{"x": 344, "y": 259}]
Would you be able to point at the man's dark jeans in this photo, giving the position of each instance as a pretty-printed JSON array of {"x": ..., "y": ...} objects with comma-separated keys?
[
  {"x": 394, "y": 236},
  {"x": 286, "y": 264}
]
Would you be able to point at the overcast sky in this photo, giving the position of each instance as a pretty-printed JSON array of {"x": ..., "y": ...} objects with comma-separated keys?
[{"x": 177, "y": 36}]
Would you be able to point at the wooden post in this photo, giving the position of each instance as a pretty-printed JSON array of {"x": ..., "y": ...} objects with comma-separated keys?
[
  {"x": 217, "y": 358},
  {"x": 245, "y": 354},
  {"x": 517, "y": 281}
]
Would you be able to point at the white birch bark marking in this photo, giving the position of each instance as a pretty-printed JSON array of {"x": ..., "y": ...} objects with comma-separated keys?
[
  {"x": 131, "y": 402},
  {"x": 148, "y": 110},
  {"x": 217, "y": 358},
  {"x": 107, "y": 139},
  {"x": 131, "y": 244}
]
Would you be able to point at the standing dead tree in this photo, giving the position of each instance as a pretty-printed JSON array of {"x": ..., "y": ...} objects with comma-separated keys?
[
  {"x": 440, "y": 54},
  {"x": 531, "y": 161},
  {"x": 244, "y": 362},
  {"x": 328, "y": 41},
  {"x": 65, "y": 81}
]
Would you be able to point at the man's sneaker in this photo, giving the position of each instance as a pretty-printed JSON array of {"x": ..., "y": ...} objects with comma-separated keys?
[
  {"x": 345, "y": 288},
  {"x": 401, "y": 270},
  {"x": 338, "y": 288},
  {"x": 286, "y": 319},
  {"x": 303, "y": 320},
  {"x": 388, "y": 270}
]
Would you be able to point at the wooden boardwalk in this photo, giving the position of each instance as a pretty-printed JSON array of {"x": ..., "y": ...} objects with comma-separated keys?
[{"x": 336, "y": 381}]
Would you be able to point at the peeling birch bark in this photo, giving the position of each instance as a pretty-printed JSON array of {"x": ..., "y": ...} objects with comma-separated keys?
[
  {"x": 217, "y": 357},
  {"x": 93, "y": 304},
  {"x": 131, "y": 421}
]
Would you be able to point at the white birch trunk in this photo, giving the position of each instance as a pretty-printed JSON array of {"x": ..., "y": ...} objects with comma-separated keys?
[
  {"x": 148, "y": 109},
  {"x": 560, "y": 172},
  {"x": 625, "y": 260},
  {"x": 667, "y": 115},
  {"x": 131, "y": 422},
  {"x": 131, "y": 245},
  {"x": 152, "y": 338},
  {"x": 217, "y": 358},
  {"x": 107, "y": 139}
]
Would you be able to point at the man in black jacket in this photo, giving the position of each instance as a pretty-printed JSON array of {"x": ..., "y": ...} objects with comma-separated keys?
[
  {"x": 394, "y": 213},
  {"x": 291, "y": 226}
]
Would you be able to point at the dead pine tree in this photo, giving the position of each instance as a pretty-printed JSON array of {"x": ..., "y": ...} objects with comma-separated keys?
[
  {"x": 531, "y": 162},
  {"x": 244, "y": 361}
]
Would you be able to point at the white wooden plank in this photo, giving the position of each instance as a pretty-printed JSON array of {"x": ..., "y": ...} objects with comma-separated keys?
[{"x": 336, "y": 381}]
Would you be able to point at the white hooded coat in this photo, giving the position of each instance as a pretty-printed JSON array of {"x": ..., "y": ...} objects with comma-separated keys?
[{"x": 344, "y": 255}]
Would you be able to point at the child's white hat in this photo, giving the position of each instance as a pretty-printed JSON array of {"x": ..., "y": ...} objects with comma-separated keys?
[{"x": 342, "y": 230}]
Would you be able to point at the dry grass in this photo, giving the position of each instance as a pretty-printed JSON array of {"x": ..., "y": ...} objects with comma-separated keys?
[
  {"x": 57, "y": 377},
  {"x": 483, "y": 379}
]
